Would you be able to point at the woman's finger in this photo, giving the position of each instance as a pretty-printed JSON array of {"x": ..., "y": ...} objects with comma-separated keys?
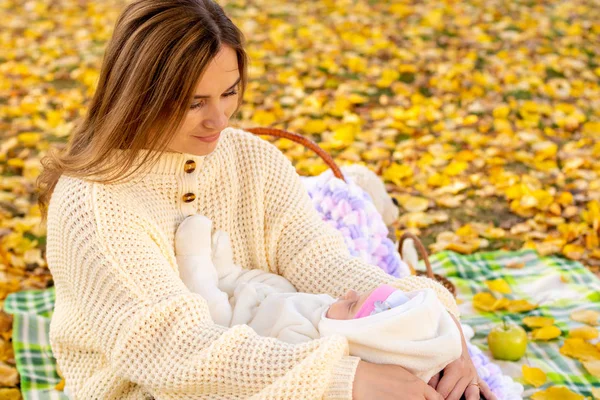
[
  {"x": 448, "y": 381},
  {"x": 433, "y": 382},
  {"x": 486, "y": 391},
  {"x": 461, "y": 387},
  {"x": 431, "y": 394},
  {"x": 472, "y": 392}
]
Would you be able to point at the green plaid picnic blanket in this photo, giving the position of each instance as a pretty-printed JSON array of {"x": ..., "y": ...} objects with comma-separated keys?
[
  {"x": 32, "y": 311},
  {"x": 539, "y": 282}
]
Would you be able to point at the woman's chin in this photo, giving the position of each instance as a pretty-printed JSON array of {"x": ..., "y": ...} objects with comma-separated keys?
[
  {"x": 203, "y": 150},
  {"x": 197, "y": 148}
]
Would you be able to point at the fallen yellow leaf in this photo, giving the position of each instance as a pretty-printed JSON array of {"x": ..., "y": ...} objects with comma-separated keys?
[
  {"x": 487, "y": 302},
  {"x": 556, "y": 393},
  {"x": 593, "y": 367},
  {"x": 29, "y": 139},
  {"x": 10, "y": 394},
  {"x": 493, "y": 233},
  {"x": 584, "y": 332},
  {"x": 538, "y": 322},
  {"x": 463, "y": 248},
  {"x": 580, "y": 349},
  {"x": 534, "y": 376},
  {"x": 520, "y": 306},
  {"x": 589, "y": 317},
  {"x": 396, "y": 173},
  {"x": 414, "y": 204},
  {"x": 498, "y": 285},
  {"x": 546, "y": 333},
  {"x": 573, "y": 251},
  {"x": 449, "y": 201}
]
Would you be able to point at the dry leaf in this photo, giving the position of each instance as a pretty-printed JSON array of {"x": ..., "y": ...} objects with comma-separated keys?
[
  {"x": 534, "y": 376},
  {"x": 414, "y": 204},
  {"x": 584, "y": 332},
  {"x": 516, "y": 265},
  {"x": 499, "y": 285},
  {"x": 589, "y": 317},
  {"x": 520, "y": 306},
  {"x": 8, "y": 375},
  {"x": 538, "y": 322},
  {"x": 593, "y": 367},
  {"x": 580, "y": 349},
  {"x": 10, "y": 394},
  {"x": 60, "y": 385},
  {"x": 487, "y": 302},
  {"x": 556, "y": 393},
  {"x": 546, "y": 333}
]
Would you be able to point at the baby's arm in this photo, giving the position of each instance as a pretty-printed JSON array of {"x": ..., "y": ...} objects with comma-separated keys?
[
  {"x": 193, "y": 248},
  {"x": 230, "y": 275}
]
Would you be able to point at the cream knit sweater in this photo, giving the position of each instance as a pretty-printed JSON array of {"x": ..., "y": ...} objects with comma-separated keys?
[{"x": 126, "y": 327}]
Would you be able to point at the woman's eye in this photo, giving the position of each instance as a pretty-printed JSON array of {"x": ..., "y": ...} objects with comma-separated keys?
[
  {"x": 193, "y": 106},
  {"x": 201, "y": 104}
]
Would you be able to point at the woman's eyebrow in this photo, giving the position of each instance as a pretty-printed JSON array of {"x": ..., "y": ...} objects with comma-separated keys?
[{"x": 200, "y": 96}]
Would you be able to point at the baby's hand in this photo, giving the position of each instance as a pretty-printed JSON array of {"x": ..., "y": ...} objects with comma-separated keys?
[
  {"x": 193, "y": 237},
  {"x": 193, "y": 249}
]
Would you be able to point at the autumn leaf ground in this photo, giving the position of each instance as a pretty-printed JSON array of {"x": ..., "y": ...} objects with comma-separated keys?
[{"x": 482, "y": 117}]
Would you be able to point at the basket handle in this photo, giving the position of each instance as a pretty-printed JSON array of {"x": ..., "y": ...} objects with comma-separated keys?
[
  {"x": 295, "y": 137},
  {"x": 420, "y": 249}
]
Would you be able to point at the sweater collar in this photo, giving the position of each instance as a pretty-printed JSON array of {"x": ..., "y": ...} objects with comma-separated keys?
[{"x": 168, "y": 162}]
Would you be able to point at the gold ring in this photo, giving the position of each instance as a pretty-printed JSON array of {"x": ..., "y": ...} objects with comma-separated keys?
[{"x": 474, "y": 383}]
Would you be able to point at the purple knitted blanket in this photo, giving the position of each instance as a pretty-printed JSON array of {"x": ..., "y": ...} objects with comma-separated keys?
[{"x": 349, "y": 209}]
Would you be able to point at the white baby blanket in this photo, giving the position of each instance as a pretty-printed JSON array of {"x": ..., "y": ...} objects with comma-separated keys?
[{"x": 419, "y": 335}]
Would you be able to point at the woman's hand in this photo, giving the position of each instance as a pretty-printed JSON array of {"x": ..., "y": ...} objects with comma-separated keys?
[
  {"x": 387, "y": 382},
  {"x": 460, "y": 377}
]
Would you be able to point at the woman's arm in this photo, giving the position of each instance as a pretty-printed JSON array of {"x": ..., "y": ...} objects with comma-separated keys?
[
  {"x": 310, "y": 253},
  {"x": 121, "y": 296}
]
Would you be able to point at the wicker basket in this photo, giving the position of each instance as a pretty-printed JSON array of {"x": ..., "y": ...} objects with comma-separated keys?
[
  {"x": 338, "y": 174},
  {"x": 429, "y": 272}
]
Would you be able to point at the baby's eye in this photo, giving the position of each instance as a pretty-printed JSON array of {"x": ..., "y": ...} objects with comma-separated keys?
[{"x": 351, "y": 305}]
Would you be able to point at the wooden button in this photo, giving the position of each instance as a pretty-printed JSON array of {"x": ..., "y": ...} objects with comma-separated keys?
[
  {"x": 190, "y": 166},
  {"x": 189, "y": 197}
]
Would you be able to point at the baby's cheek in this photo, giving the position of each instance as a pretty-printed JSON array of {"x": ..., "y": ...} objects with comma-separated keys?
[{"x": 338, "y": 310}]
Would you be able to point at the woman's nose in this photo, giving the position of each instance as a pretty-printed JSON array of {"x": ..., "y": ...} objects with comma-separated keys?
[{"x": 217, "y": 119}]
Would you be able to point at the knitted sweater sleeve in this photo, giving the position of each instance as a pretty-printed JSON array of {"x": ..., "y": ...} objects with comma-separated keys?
[
  {"x": 120, "y": 294},
  {"x": 310, "y": 253}
]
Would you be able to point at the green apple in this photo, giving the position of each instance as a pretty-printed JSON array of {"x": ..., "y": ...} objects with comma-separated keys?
[{"x": 507, "y": 341}]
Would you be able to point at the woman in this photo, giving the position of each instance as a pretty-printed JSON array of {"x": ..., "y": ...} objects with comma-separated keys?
[{"x": 154, "y": 149}]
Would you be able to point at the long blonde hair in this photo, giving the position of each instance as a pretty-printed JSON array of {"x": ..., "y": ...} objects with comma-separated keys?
[{"x": 155, "y": 59}]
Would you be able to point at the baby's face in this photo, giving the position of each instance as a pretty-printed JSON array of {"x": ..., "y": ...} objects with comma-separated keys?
[{"x": 348, "y": 305}]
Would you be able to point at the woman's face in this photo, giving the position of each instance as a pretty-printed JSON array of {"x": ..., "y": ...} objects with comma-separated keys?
[{"x": 215, "y": 99}]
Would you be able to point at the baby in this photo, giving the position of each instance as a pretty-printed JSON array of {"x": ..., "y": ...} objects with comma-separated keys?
[{"x": 384, "y": 325}]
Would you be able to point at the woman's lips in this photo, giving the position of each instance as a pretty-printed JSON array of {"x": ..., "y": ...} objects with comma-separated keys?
[{"x": 208, "y": 139}]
